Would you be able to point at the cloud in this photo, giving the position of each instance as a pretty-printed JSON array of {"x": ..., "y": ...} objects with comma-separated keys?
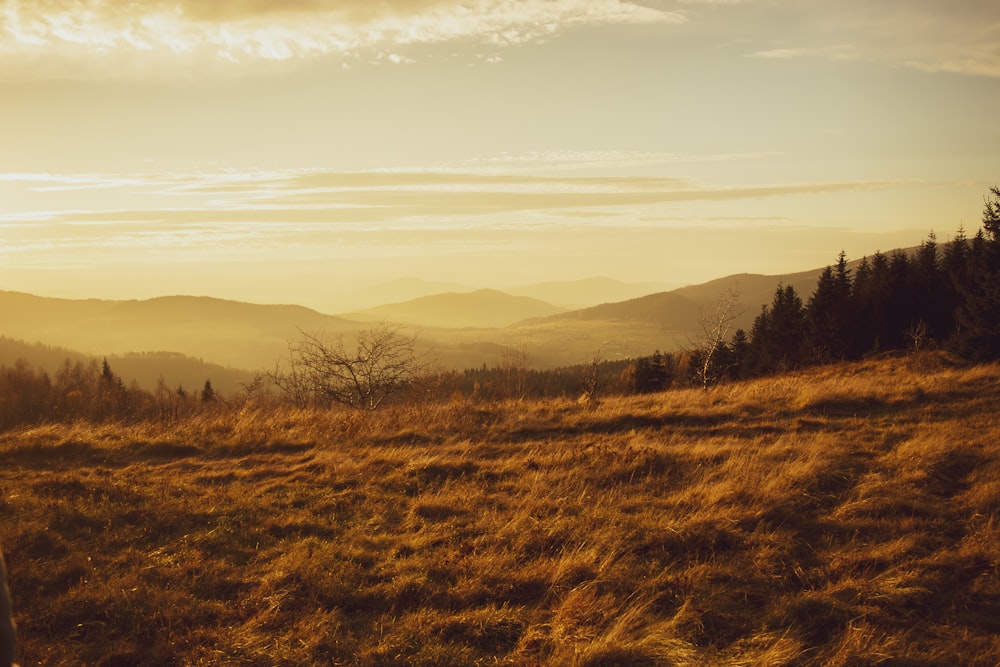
[
  {"x": 382, "y": 199},
  {"x": 962, "y": 36},
  {"x": 779, "y": 53},
  {"x": 240, "y": 31}
]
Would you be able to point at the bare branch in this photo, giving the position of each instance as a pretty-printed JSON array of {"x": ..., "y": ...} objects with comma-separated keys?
[
  {"x": 715, "y": 326},
  {"x": 383, "y": 362}
]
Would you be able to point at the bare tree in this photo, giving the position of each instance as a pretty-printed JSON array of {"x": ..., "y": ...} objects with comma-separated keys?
[
  {"x": 383, "y": 362},
  {"x": 591, "y": 379},
  {"x": 917, "y": 333},
  {"x": 513, "y": 367},
  {"x": 710, "y": 344}
]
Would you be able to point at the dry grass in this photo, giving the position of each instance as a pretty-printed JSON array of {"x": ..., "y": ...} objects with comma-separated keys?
[{"x": 843, "y": 516}]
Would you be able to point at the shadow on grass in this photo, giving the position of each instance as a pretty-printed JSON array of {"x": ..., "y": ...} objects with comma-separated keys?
[{"x": 693, "y": 425}]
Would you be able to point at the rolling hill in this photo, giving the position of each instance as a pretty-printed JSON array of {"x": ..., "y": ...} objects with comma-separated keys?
[
  {"x": 393, "y": 291},
  {"x": 146, "y": 369},
  {"x": 462, "y": 329},
  {"x": 577, "y": 294},
  {"x": 480, "y": 309},
  {"x": 229, "y": 333}
]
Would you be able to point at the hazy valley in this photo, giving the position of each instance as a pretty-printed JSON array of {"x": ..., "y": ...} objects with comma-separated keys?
[{"x": 179, "y": 337}]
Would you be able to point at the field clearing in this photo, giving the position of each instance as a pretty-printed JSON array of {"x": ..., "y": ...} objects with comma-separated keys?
[{"x": 846, "y": 515}]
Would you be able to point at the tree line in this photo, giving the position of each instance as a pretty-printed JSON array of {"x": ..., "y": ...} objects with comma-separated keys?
[
  {"x": 88, "y": 392},
  {"x": 944, "y": 296}
]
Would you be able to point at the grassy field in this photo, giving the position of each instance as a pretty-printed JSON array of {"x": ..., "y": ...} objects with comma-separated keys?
[{"x": 847, "y": 515}]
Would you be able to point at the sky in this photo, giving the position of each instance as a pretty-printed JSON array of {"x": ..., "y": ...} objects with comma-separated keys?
[{"x": 296, "y": 151}]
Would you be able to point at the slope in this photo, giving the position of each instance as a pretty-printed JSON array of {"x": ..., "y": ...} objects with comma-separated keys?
[
  {"x": 231, "y": 333},
  {"x": 841, "y": 516},
  {"x": 146, "y": 369},
  {"x": 482, "y": 309}
]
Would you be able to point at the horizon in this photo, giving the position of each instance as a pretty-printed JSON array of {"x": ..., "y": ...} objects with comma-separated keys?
[{"x": 288, "y": 155}]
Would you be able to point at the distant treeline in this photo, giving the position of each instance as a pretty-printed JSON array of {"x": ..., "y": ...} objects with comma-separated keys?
[
  {"x": 503, "y": 381},
  {"x": 939, "y": 297},
  {"x": 87, "y": 392}
]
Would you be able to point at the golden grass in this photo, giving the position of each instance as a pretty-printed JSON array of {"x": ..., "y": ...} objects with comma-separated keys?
[{"x": 847, "y": 515}]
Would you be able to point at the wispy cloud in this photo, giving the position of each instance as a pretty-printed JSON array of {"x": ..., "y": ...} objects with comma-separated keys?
[
  {"x": 930, "y": 35},
  {"x": 240, "y": 31},
  {"x": 780, "y": 53},
  {"x": 606, "y": 160},
  {"x": 384, "y": 199}
]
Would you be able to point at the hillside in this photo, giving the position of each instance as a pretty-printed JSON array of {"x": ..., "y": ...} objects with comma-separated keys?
[
  {"x": 577, "y": 294},
  {"x": 394, "y": 291},
  {"x": 667, "y": 310},
  {"x": 461, "y": 330},
  {"x": 229, "y": 333},
  {"x": 145, "y": 369},
  {"x": 841, "y": 516},
  {"x": 754, "y": 291},
  {"x": 480, "y": 309}
]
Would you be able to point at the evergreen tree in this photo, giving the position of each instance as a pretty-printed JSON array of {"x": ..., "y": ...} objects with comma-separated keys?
[
  {"x": 829, "y": 314},
  {"x": 929, "y": 294},
  {"x": 860, "y": 306},
  {"x": 740, "y": 354},
  {"x": 207, "y": 392},
  {"x": 780, "y": 333},
  {"x": 755, "y": 362},
  {"x": 955, "y": 267},
  {"x": 978, "y": 315},
  {"x": 991, "y": 214},
  {"x": 899, "y": 306},
  {"x": 106, "y": 375}
]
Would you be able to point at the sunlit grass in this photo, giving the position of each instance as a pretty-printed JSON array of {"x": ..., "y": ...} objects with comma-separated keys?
[{"x": 842, "y": 516}]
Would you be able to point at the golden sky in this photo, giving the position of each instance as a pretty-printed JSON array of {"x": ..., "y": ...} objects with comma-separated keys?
[{"x": 295, "y": 151}]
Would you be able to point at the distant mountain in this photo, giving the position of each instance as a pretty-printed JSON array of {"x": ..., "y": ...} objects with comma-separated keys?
[
  {"x": 754, "y": 291},
  {"x": 462, "y": 328},
  {"x": 681, "y": 310},
  {"x": 667, "y": 310},
  {"x": 481, "y": 309},
  {"x": 230, "y": 333},
  {"x": 663, "y": 320},
  {"x": 575, "y": 294},
  {"x": 396, "y": 291}
]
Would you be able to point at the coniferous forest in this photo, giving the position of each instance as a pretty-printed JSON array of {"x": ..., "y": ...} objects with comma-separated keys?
[{"x": 939, "y": 296}]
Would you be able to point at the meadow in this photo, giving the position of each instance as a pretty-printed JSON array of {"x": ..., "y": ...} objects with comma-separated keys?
[{"x": 844, "y": 515}]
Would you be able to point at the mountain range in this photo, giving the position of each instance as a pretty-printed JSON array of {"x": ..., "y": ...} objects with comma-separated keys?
[
  {"x": 155, "y": 337},
  {"x": 485, "y": 308}
]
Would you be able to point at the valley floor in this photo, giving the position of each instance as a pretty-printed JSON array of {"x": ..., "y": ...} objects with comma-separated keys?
[{"x": 847, "y": 515}]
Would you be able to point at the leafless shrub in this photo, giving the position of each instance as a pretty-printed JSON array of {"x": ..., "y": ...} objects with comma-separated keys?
[{"x": 383, "y": 362}]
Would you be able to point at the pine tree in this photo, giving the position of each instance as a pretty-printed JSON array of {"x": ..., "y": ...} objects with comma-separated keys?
[
  {"x": 740, "y": 352},
  {"x": 955, "y": 265},
  {"x": 207, "y": 392},
  {"x": 779, "y": 333},
  {"x": 860, "y": 306},
  {"x": 929, "y": 292},
  {"x": 978, "y": 315},
  {"x": 829, "y": 314},
  {"x": 899, "y": 305}
]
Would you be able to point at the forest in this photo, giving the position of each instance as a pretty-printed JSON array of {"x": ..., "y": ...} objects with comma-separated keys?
[{"x": 938, "y": 297}]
